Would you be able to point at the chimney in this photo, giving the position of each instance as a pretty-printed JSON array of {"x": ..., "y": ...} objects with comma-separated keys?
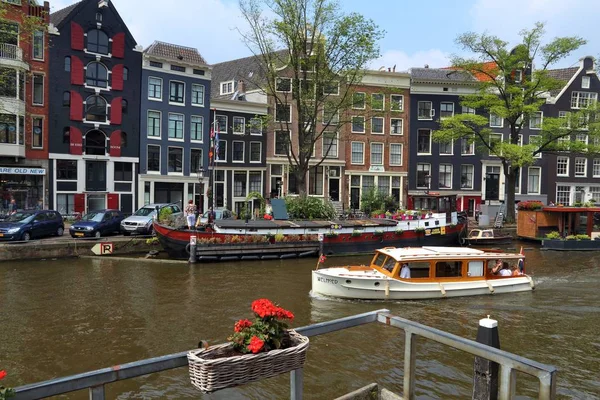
[
  {"x": 394, "y": 68},
  {"x": 241, "y": 87},
  {"x": 426, "y": 65}
]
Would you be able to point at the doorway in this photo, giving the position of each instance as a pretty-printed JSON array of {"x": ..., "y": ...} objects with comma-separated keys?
[
  {"x": 492, "y": 183},
  {"x": 95, "y": 176},
  {"x": 334, "y": 189}
]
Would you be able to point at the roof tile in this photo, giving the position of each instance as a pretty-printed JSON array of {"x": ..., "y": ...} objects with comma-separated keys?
[{"x": 175, "y": 52}]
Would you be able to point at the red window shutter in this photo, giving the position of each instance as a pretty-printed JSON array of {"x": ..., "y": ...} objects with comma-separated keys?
[
  {"x": 75, "y": 141},
  {"x": 118, "y": 45},
  {"x": 77, "y": 72},
  {"x": 116, "y": 111},
  {"x": 76, "y": 36},
  {"x": 79, "y": 202},
  {"x": 76, "y": 112},
  {"x": 115, "y": 144},
  {"x": 117, "y": 77},
  {"x": 113, "y": 201}
]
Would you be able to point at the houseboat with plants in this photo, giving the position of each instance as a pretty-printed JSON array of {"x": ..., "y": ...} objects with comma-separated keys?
[
  {"x": 424, "y": 273},
  {"x": 275, "y": 238}
]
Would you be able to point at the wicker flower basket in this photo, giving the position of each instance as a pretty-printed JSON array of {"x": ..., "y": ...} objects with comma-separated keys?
[{"x": 209, "y": 374}]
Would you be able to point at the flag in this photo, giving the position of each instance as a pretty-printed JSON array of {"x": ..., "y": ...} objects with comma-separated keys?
[
  {"x": 216, "y": 133},
  {"x": 322, "y": 259},
  {"x": 521, "y": 262}
]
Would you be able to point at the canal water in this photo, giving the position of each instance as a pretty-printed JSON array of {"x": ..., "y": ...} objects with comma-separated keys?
[{"x": 64, "y": 317}]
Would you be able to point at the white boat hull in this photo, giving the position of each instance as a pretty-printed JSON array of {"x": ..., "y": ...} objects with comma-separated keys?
[{"x": 372, "y": 285}]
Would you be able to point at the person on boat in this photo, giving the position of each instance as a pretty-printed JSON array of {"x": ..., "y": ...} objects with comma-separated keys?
[
  {"x": 405, "y": 271},
  {"x": 190, "y": 214},
  {"x": 515, "y": 271},
  {"x": 496, "y": 269},
  {"x": 505, "y": 271},
  {"x": 487, "y": 234}
]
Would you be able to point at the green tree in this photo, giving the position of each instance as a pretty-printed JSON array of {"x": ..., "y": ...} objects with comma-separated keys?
[
  {"x": 512, "y": 89},
  {"x": 312, "y": 55}
]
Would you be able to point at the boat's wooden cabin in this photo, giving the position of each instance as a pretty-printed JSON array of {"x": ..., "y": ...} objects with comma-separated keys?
[
  {"x": 481, "y": 234},
  {"x": 441, "y": 263}
]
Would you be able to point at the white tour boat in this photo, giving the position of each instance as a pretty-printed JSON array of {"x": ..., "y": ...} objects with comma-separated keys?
[{"x": 424, "y": 273}]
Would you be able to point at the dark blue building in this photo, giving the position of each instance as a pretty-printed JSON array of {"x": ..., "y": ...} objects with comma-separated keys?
[{"x": 175, "y": 124}]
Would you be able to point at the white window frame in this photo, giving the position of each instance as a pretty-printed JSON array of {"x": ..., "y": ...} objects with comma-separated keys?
[
  {"x": 471, "y": 148},
  {"x": 382, "y": 152},
  {"x": 490, "y": 142},
  {"x": 539, "y": 155},
  {"x": 352, "y": 124},
  {"x": 334, "y": 120},
  {"x": 34, "y": 117},
  {"x": 569, "y": 191},
  {"x": 243, "y": 125},
  {"x": 596, "y": 168},
  {"x": 446, "y": 103},
  {"x": 224, "y": 85},
  {"x": 216, "y": 121},
  {"x": 33, "y": 75},
  {"x": 282, "y": 78},
  {"x": 382, "y": 126},
  {"x": 259, "y": 129},
  {"x": 451, "y": 176},
  {"x": 33, "y": 44},
  {"x": 337, "y": 145},
  {"x": 431, "y": 111},
  {"x": 451, "y": 148},
  {"x": 182, "y": 127},
  {"x": 401, "y": 126},
  {"x": 182, "y": 160},
  {"x": 565, "y": 115},
  {"x": 392, "y": 102},
  {"x": 585, "y": 82},
  {"x": 533, "y": 127},
  {"x": 428, "y": 173},
  {"x": 559, "y": 163},
  {"x": 496, "y": 117},
  {"x": 159, "y": 124},
  {"x": 201, "y": 104},
  {"x": 430, "y": 135},
  {"x": 201, "y": 133},
  {"x": 336, "y": 93},
  {"x": 393, "y": 145},
  {"x": 161, "y": 88},
  {"x": 577, "y": 164},
  {"x": 176, "y": 103},
  {"x": 577, "y": 99},
  {"x": 283, "y": 105},
  {"x": 275, "y": 141},
  {"x": 382, "y": 101},
  {"x": 225, "y": 151},
  {"x": 364, "y": 101},
  {"x": 159, "y": 158},
  {"x": 259, "y": 153},
  {"x": 467, "y": 110},
  {"x": 539, "y": 184},
  {"x": 233, "y": 142},
  {"x": 472, "y": 177},
  {"x": 362, "y": 144},
  {"x": 518, "y": 76}
]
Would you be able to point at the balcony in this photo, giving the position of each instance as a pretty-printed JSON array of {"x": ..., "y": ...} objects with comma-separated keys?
[
  {"x": 12, "y": 150},
  {"x": 11, "y": 52}
]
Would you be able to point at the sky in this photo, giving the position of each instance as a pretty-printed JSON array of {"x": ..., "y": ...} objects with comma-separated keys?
[{"x": 417, "y": 32}]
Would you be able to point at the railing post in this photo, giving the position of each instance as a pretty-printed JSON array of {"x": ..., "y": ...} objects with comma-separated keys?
[
  {"x": 410, "y": 357},
  {"x": 296, "y": 382},
  {"x": 548, "y": 386},
  {"x": 508, "y": 383},
  {"x": 97, "y": 392},
  {"x": 485, "y": 372}
]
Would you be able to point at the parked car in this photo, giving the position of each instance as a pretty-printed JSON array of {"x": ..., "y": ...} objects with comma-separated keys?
[
  {"x": 141, "y": 221},
  {"x": 97, "y": 223},
  {"x": 218, "y": 214},
  {"x": 30, "y": 224}
]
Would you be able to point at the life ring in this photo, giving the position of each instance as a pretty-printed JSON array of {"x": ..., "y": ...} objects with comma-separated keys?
[
  {"x": 462, "y": 241},
  {"x": 187, "y": 248}
]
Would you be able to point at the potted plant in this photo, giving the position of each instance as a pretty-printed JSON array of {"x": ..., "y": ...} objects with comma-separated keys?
[
  {"x": 398, "y": 232},
  {"x": 356, "y": 233},
  {"x": 258, "y": 349},
  {"x": 378, "y": 232},
  {"x": 419, "y": 230}
]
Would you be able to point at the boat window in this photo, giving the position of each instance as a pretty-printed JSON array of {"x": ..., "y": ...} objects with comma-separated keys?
[
  {"x": 447, "y": 269},
  {"x": 474, "y": 233},
  {"x": 475, "y": 268},
  {"x": 419, "y": 269},
  {"x": 390, "y": 263},
  {"x": 379, "y": 259}
]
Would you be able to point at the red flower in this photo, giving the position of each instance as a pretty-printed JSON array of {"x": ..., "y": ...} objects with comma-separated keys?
[
  {"x": 255, "y": 345},
  {"x": 264, "y": 308},
  {"x": 284, "y": 314},
  {"x": 2, "y": 374},
  {"x": 242, "y": 324}
]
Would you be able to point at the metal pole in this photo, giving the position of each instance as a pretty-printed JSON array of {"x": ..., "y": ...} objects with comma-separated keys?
[
  {"x": 192, "y": 259},
  {"x": 410, "y": 358},
  {"x": 296, "y": 384}
]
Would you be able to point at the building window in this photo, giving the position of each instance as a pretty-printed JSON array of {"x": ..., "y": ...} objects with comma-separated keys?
[
  {"x": 255, "y": 181},
  {"x": 466, "y": 176},
  {"x": 221, "y": 151},
  {"x": 66, "y": 170},
  {"x": 315, "y": 181},
  {"x": 495, "y": 143},
  {"x": 535, "y": 120},
  {"x": 123, "y": 172},
  {"x": 533, "y": 180},
  {"x": 66, "y": 99},
  {"x": 239, "y": 184},
  {"x": 283, "y": 84},
  {"x": 423, "y": 175},
  {"x": 595, "y": 192},
  {"x": 154, "y": 88},
  {"x": 176, "y": 92},
  {"x": 97, "y": 41},
  {"x": 583, "y": 99},
  {"x": 154, "y": 123},
  {"x": 467, "y": 146},
  {"x": 468, "y": 110},
  {"x": 38, "y": 45},
  {"x": 496, "y": 121},
  {"x": 563, "y": 195},
  {"x": 95, "y": 109},
  {"x": 447, "y": 148},
  {"x": 377, "y": 125},
  {"x": 197, "y": 95},
  {"x": 177, "y": 68},
  {"x": 377, "y": 101},
  {"x": 175, "y": 159},
  {"x": 237, "y": 151},
  {"x": 397, "y": 102},
  {"x": 446, "y": 110},
  {"x": 96, "y": 75},
  {"x": 580, "y": 167},
  {"x": 95, "y": 143},
  {"x": 562, "y": 166},
  {"x": 358, "y": 153},
  {"x": 445, "y": 178},
  {"x": 358, "y": 124},
  {"x": 330, "y": 145},
  {"x": 124, "y": 106},
  {"x": 239, "y": 125},
  {"x": 196, "y": 127},
  {"x": 283, "y": 113},
  {"x": 585, "y": 82},
  {"x": 424, "y": 141},
  {"x": 196, "y": 161},
  {"x": 376, "y": 153},
  {"x": 226, "y": 87},
  {"x": 425, "y": 110},
  {"x": 123, "y": 139},
  {"x": 596, "y": 168},
  {"x": 175, "y": 126},
  {"x": 221, "y": 123},
  {"x": 98, "y": 17},
  {"x": 255, "y": 152},
  {"x": 331, "y": 115},
  {"x": 395, "y": 154},
  {"x": 396, "y": 126},
  {"x": 66, "y": 135},
  {"x": 68, "y": 64},
  {"x": 198, "y": 71},
  {"x": 37, "y": 140},
  {"x": 331, "y": 88},
  {"x": 38, "y": 89},
  {"x": 256, "y": 126},
  {"x": 282, "y": 142},
  {"x": 535, "y": 140},
  {"x": 156, "y": 64},
  {"x": 358, "y": 101},
  {"x": 10, "y": 33},
  {"x": 125, "y": 73}
]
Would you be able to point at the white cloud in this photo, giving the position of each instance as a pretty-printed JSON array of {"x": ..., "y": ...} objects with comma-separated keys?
[{"x": 435, "y": 58}]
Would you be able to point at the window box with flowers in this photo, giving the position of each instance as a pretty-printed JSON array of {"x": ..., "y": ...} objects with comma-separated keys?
[
  {"x": 356, "y": 233},
  {"x": 258, "y": 349},
  {"x": 419, "y": 230},
  {"x": 378, "y": 232},
  {"x": 331, "y": 234}
]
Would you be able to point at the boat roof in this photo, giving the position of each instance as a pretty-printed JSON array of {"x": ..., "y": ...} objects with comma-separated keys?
[{"x": 438, "y": 252}]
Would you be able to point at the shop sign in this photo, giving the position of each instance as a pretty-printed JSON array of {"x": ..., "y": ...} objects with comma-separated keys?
[{"x": 22, "y": 171}]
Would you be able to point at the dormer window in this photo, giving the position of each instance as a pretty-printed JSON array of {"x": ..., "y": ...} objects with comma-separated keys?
[
  {"x": 98, "y": 17},
  {"x": 227, "y": 87},
  {"x": 585, "y": 82},
  {"x": 518, "y": 76}
]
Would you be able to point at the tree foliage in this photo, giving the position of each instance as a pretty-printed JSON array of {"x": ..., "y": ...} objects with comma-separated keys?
[
  {"x": 511, "y": 88},
  {"x": 306, "y": 207},
  {"x": 320, "y": 53}
]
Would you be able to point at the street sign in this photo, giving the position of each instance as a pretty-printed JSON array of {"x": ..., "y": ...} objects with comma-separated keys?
[{"x": 102, "y": 249}]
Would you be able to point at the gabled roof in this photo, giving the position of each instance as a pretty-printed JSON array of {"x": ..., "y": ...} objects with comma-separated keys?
[
  {"x": 175, "y": 52},
  {"x": 562, "y": 74},
  {"x": 487, "y": 68},
  {"x": 58, "y": 16},
  {"x": 440, "y": 75}
]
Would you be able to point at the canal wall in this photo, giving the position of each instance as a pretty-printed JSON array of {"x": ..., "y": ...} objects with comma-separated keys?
[{"x": 65, "y": 248}]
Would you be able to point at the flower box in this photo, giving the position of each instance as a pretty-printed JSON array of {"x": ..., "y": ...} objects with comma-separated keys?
[{"x": 212, "y": 369}]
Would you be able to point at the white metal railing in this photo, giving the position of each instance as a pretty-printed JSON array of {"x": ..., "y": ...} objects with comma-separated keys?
[{"x": 11, "y": 51}]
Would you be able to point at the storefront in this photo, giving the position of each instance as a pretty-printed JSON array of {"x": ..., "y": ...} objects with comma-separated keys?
[{"x": 23, "y": 184}]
